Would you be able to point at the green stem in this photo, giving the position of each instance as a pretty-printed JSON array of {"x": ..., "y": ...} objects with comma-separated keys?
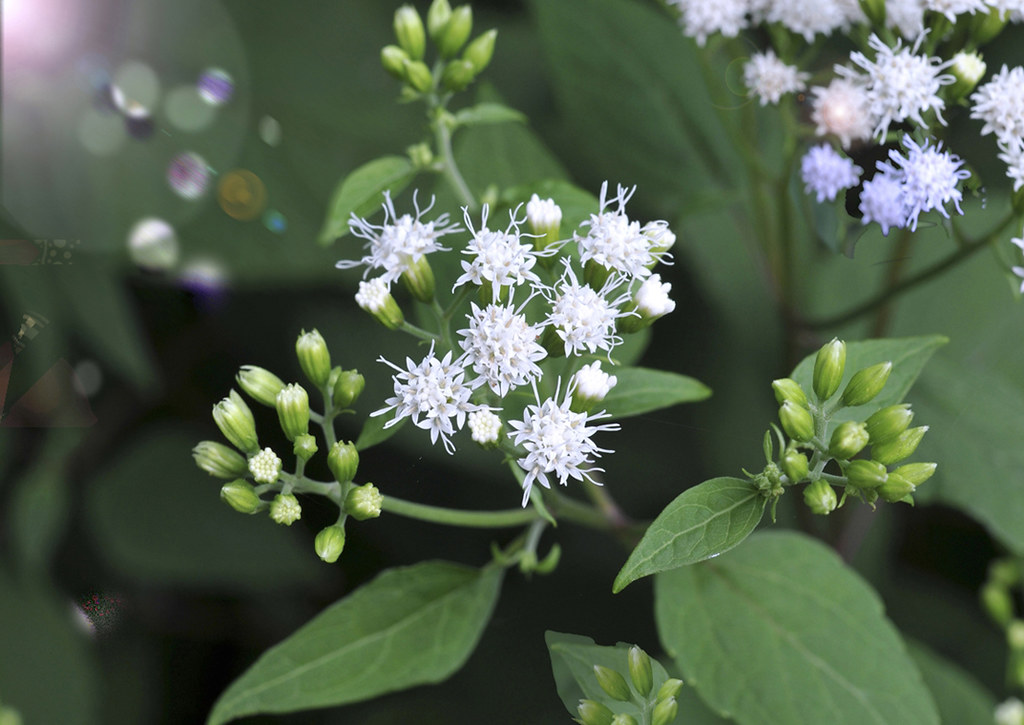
[
  {"x": 418, "y": 332},
  {"x": 443, "y": 136},
  {"x": 455, "y": 517}
]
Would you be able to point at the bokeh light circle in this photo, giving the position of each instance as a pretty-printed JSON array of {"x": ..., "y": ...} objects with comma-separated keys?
[
  {"x": 88, "y": 378},
  {"x": 153, "y": 245},
  {"x": 138, "y": 85},
  {"x": 242, "y": 195},
  {"x": 270, "y": 131},
  {"x": 185, "y": 110},
  {"x": 275, "y": 221},
  {"x": 188, "y": 175},
  {"x": 101, "y": 134},
  {"x": 215, "y": 86}
]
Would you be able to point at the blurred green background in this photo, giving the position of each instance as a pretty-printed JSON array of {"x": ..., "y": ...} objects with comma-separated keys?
[{"x": 180, "y": 593}]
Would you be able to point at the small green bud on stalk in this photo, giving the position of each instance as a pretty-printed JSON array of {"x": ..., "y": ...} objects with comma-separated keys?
[
  {"x": 866, "y": 474},
  {"x": 888, "y": 423},
  {"x": 795, "y": 465},
  {"x": 456, "y": 32},
  {"x": 343, "y": 460},
  {"x": 916, "y": 473},
  {"x": 900, "y": 447},
  {"x": 241, "y": 496},
  {"x": 293, "y": 410},
  {"x": 393, "y": 59},
  {"x": 848, "y": 439},
  {"x": 329, "y": 543},
  {"x": 418, "y": 75},
  {"x": 997, "y": 602},
  {"x": 612, "y": 683},
  {"x": 259, "y": 384},
  {"x": 796, "y": 421},
  {"x": 544, "y": 217},
  {"x": 669, "y": 688},
  {"x": 592, "y": 712},
  {"x": 437, "y": 18},
  {"x": 421, "y": 155},
  {"x": 364, "y": 502},
  {"x": 665, "y": 711},
  {"x": 866, "y": 384},
  {"x": 828, "y": 368},
  {"x": 640, "y": 670},
  {"x": 820, "y": 497},
  {"x": 219, "y": 460},
  {"x": 235, "y": 421},
  {"x": 305, "y": 447},
  {"x": 457, "y": 75},
  {"x": 409, "y": 31},
  {"x": 896, "y": 488},
  {"x": 418, "y": 278},
  {"x": 375, "y": 297},
  {"x": 968, "y": 69},
  {"x": 624, "y": 718},
  {"x": 481, "y": 50},
  {"x": 285, "y": 509},
  {"x": 347, "y": 388},
  {"x": 789, "y": 389},
  {"x": 314, "y": 358}
]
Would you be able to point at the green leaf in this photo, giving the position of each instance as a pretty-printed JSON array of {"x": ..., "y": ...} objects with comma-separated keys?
[
  {"x": 700, "y": 523},
  {"x": 781, "y": 632},
  {"x": 409, "y": 626},
  {"x": 908, "y": 356},
  {"x": 957, "y": 694},
  {"x": 641, "y": 390},
  {"x": 483, "y": 113},
  {"x": 374, "y": 432},
  {"x": 360, "y": 192}
]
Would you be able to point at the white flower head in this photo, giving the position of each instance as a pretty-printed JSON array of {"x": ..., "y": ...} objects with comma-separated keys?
[
  {"x": 701, "y": 18},
  {"x": 582, "y": 316},
  {"x": 952, "y": 8},
  {"x": 843, "y": 109},
  {"x": 543, "y": 214},
  {"x": 499, "y": 258},
  {"x": 432, "y": 394},
  {"x": 881, "y": 201},
  {"x": 373, "y": 295},
  {"x": 501, "y": 347},
  {"x": 400, "y": 242},
  {"x": 968, "y": 67},
  {"x": 615, "y": 242},
  {"x": 900, "y": 84},
  {"x": 929, "y": 178},
  {"x": 1014, "y": 159},
  {"x": 484, "y": 426},
  {"x": 808, "y": 17},
  {"x": 652, "y": 298},
  {"x": 826, "y": 173},
  {"x": 593, "y": 383},
  {"x": 558, "y": 442},
  {"x": 1000, "y": 104},
  {"x": 907, "y": 16},
  {"x": 1013, "y": 8},
  {"x": 769, "y": 78},
  {"x": 265, "y": 466}
]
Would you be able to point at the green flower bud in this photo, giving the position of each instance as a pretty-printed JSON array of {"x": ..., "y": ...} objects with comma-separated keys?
[
  {"x": 794, "y": 465},
  {"x": 241, "y": 496},
  {"x": 343, "y": 460},
  {"x": 896, "y": 488},
  {"x": 544, "y": 218},
  {"x": 219, "y": 460},
  {"x": 796, "y": 421},
  {"x": 1015, "y": 635},
  {"x": 393, "y": 59},
  {"x": 592, "y": 712},
  {"x": 900, "y": 447},
  {"x": 305, "y": 447},
  {"x": 848, "y": 439},
  {"x": 265, "y": 466},
  {"x": 612, "y": 683},
  {"x": 421, "y": 155},
  {"x": 866, "y": 474},
  {"x": 886, "y": 424},
  {"x": 456, "y": 31},
  {"x": 314, "y": 358},
  {"x": 235, "y": 421},
  {"x": 437, "y": 18},
  {"x": 293, "y": 410},
  {"x": 828, "y": 368},
  {"x": 418, "y": 278},
  {"x": 665, "y": 711},
  {"x": 457, "y": 75},
  {"x": 820, "y": 497},
  {"x": 364, "y": 502},
  {"x": 866, "y": 384},
  {"x": 329, "y": 543},
  {"x": 409, "y": 31},
  {"x": 624, "y": 718},
  {"x": 1004, "y": 572},
  {"x": 285, "y": 509},
  {"x": 984, "y": 27},
  {"x": 997, "y": 602},
  {"x": 875, "y": 11},
  {"x": 375, "y": 297},
  {"x": 640, "y": 670},
  {"x": 259, "y": 384},
  {"x": 418, "y": 75},
  {"x": 789, "y": 389},
  {"x": 669, "y": 688},
  {"x": 481, "y": 50},
  {"x": 347, "y": 388},
  {"x": 916, "y": 473},
  {"x": 968, "y": 69}
]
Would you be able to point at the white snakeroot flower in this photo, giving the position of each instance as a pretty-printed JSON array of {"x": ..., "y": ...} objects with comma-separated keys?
[
  {"x": 881, "y": 200},
  {"x": 1000, "y": 104},
  {"x": 400, "y": 242},
  {"x": 373, "y": 295},
  {"x": 662, "y": 238},
  {"x": 701, "y": 18},
  {"x": 484, "y": 426},
  {"x": 652, "y": 298},
  {"x": 769, "y": 78},
  {"x": 265, "y": 466},
  {"x": 615, "y": 242},
  {"x": 502, "y": 348},
  {"x": 582, "y": 317},
  {"x": 1014, "y": 159},
  {"x": 1014, "y": 8},
  {"x": 900, "y": 84},
  {"x": 558, "y": 442},
  {"x": 1009, "y": 712},
  {"x": 968, "y": 67},
  {"x": 826, "y": 173},
  {"x": 593, "y": 383},
  {"x": 432, "y": 394},
  {"x": 952, "y": 8},
  {"x": 907, "y": 16},
  {"x": 843, "y": 109},
  {"x": 929, "y": 177},
  {"x": 808, "y": 17},
  {"x": 499, "y": 258},
  {"x": 543, "y": 214}
]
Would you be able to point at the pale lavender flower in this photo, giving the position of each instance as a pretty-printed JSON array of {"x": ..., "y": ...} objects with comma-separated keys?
[
  {"x": 881, "y": 201},
  {"x": 843, "y": 109},
  {"x": 929, "y": 178},
  {"x": 769, "y": 78},
  {"x": 826, "y": 173}
]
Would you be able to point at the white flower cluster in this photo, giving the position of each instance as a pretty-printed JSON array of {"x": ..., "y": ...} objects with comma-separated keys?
[
  {"x": 1000, "y": 105},
  {"x": 519, "y": 321}
]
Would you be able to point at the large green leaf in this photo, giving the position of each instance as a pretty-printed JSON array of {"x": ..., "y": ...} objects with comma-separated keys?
[
  {"x": 361, "y": 192},
  {"x": 409, "y": 626},
  {"x": 908, "y": 356},
  {"x": 641, "y": 390},
  {"x": 779, "y": 631},
  {"x": 959, "y": 697},
  {"x": 700, "y": 523}
]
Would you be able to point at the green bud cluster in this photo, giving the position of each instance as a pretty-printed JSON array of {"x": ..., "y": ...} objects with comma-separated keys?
[
  {"x": 636, "y": 686},
  {"x": 998, "y": 595}
]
